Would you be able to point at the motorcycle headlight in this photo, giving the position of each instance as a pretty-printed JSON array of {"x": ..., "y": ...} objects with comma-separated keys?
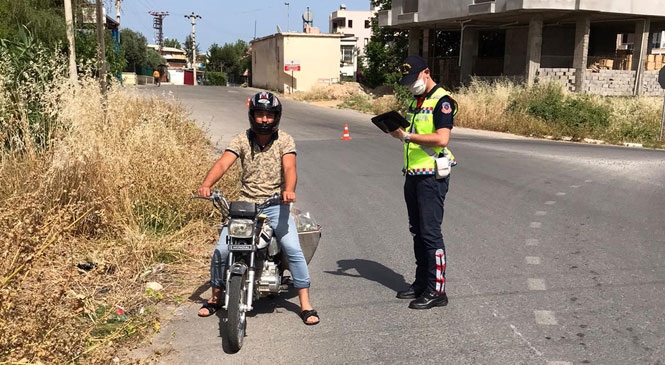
[{"x": 241, "y": 228}]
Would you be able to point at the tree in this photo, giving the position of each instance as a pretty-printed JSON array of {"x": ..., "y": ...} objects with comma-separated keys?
[
  {"x": 168, "y": 42},
  {"x": 384, "y": 52},
  {"x": 45, "y": 19},
  {"x": 153, "y": 58},
  {"x": 188, "y": 47},
  {"x": 86, "y": 53},
  {"x": 134, "y": 45},
  {"x": 231, "y": 59}
]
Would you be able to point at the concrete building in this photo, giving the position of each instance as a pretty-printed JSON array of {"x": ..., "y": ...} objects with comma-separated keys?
[
  {"x": 581, "y": 43},
  {"x": 355, "y": 26},
  {"x": 289, "y": 62},
  {"x": 174, "y": 72}
]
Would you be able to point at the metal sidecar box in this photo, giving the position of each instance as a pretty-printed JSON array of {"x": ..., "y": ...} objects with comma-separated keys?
[{"x": 309, "y": 241}]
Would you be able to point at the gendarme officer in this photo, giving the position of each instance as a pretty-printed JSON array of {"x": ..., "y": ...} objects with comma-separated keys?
[{"x": 430, "y": 115}]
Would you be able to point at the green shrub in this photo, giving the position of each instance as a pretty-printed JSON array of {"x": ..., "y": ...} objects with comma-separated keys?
[
  {"x": 357, "y": 102},
  {"x": 576, "y": 115},
  {"x": 216, "y": 78}
]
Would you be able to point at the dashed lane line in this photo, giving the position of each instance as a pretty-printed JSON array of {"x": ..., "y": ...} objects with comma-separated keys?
[
  {"x": 545, "y": 318},
  {"x": 532, "y": 260},
  {"x": 532, "y": 242},
  {"x": 536, "y": 284}
]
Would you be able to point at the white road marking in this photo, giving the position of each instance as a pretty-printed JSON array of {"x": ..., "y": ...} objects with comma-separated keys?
[
  {"x": 546, "y": 318},
  {"x": 588, "y": 181},
  {"x": 575, "y": 186},
  {"x": 532, "y": 260},
  {"x": 541, "y": 213},
  {"x": 535, "y": 225},
  {"x": 532, "y": 242},
  {"x": 526, "y": 341},
  {"x": 536, "y": 284},
  {"x": 559, "y": 363},
  {"x": 550, "y": 202},
  {"x": 561, "y": 193}
]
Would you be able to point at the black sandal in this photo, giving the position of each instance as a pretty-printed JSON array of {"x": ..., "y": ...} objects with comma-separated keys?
[
  {"x": 211, "y": 307},
  {"x": 309, "y": 313}
]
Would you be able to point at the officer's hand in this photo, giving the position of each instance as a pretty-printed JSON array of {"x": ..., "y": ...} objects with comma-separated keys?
[{"x": 398, "y": 133}]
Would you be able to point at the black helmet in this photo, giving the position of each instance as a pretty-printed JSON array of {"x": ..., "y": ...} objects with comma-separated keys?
[{"x": 264, "y": 101}]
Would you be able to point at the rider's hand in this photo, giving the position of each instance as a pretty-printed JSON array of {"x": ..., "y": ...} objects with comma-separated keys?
[
  {"x": 289, "y": 197},
  {"x": 203, "y": 191}
]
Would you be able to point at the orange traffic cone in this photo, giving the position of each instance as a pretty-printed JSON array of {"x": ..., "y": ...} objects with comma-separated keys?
[
  {"x": 346, "y": 136},
  {"x": 248, "y": 99}
]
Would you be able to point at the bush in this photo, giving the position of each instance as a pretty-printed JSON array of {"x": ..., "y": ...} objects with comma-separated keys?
[
  {"x": 576, "y": 115},
  {"x": 215, "y": 78},
  {"x": 95, "y": 192}
]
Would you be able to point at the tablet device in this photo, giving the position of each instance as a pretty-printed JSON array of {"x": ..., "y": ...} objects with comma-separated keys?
[{"x": 390, "y": 121}]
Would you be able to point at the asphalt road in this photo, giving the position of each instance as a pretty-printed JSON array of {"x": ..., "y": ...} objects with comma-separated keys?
[{"x": 555, "y": 251}]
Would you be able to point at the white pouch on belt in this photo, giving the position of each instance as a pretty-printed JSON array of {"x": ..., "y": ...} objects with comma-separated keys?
[{"x": 442, "y": 167}]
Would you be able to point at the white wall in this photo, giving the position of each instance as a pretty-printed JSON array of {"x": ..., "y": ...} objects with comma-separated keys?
[{"x": 177, "y": 77}]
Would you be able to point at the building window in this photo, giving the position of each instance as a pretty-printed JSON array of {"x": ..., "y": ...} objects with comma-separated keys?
[
  {"x": 655, "y": 41},
  {"x": 367, "y": 24},
  {"x": 350, "y": 23},
  {"x": 409, "y": 6},
  {"x": 366, "y": 41},
  {"x": 347, "y": 54}
]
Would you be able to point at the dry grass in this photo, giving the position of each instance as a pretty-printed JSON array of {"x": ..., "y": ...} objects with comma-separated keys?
[
  {"x": 111, "y": 192},
  {"x": 349, "y": 95}
]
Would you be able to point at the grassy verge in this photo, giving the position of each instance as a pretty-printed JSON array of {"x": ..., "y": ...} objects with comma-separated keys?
[
  {"x": 542, "y": 111},
  {"x": 91, "y": 212}
]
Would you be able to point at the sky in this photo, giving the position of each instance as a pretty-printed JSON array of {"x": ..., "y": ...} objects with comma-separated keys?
[{"x": 225, "y": 21}]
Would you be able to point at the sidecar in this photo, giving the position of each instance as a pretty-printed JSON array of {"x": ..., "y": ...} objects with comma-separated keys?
[{"x": 309, "y": 241}]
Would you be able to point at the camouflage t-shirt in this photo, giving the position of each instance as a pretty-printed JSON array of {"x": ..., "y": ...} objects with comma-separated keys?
[{"x": 262, "y": 173}]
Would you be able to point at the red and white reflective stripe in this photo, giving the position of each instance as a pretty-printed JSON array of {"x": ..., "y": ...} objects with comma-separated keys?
[{"x": 440, "y": 271}]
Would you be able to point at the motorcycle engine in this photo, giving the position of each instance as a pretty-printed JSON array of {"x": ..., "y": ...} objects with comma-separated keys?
[{"x": 270, "y": 280}]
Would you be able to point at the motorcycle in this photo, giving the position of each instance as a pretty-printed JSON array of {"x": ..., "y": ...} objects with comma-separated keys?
[{"x": 254, "y": 267}]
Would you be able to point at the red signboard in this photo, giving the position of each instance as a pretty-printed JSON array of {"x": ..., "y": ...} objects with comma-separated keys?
[{"x": 291, "y": 67}]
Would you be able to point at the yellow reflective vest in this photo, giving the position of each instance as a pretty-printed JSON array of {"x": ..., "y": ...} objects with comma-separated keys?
[{"x": 418, "y": 160}]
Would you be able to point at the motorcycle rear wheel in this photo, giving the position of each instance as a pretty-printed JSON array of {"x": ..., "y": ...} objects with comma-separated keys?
[{"x": 237, "y": 321}]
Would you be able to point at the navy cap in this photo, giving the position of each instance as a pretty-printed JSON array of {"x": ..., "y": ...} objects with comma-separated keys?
[{"x": 411, "y": 68}]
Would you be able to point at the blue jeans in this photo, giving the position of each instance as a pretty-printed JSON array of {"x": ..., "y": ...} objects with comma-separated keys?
[{"x": 284, "y": 228}]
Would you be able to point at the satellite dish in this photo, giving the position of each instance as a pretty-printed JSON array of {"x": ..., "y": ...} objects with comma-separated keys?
[
  {"x": 279, "y": 30},
  {"x": 308, "y": 16}
]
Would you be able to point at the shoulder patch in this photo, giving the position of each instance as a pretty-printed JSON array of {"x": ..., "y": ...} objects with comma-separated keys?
[{"x": 445, "y": 108}]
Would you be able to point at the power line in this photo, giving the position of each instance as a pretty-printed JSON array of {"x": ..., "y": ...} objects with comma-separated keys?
[
  {"x": 157, "y": 23},
  {"x": 192, "y": 17}
]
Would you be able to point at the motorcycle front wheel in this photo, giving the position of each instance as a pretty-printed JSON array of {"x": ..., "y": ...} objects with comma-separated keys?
[{"x": 236, "y": 316}]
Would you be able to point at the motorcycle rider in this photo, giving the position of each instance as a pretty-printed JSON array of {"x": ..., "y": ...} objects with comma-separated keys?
[{"x": 268, "y": 160}]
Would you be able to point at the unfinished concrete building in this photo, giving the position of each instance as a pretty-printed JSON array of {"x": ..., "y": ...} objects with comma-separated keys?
[{"x": 596, "y": 46}]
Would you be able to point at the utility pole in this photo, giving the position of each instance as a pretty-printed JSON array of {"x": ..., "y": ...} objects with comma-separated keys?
[
  {"x": 193, "y": 18},
  {"x": 69, "y": 20},
  {"x": 101, "y": 48},
  {"x": 157, "y": 24},
  {"x": 287, "y": 17},
  {"x": 117, "y": 16}
]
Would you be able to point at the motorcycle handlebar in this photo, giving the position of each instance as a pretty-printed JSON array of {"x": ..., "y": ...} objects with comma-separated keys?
[
  {"x": 217, "y": 198},
  {"x": 220, "y": 202}
]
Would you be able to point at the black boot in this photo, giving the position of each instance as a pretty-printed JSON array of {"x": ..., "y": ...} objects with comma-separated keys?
[
  {"x": 429, "y": 300},
  {"x": 411, "y": 293}
]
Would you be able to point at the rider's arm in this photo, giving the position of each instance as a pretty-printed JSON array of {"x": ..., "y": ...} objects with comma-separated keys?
[
  {"x": 290, "y": 177},
  {"x": 216, "y": 172}
]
